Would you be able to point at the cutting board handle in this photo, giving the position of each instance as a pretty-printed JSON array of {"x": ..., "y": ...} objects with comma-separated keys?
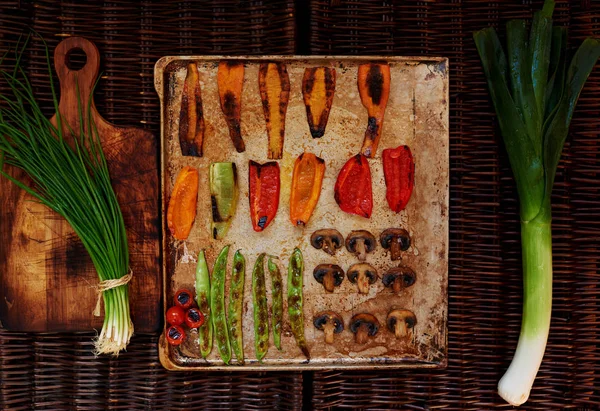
[{"x": 71, "y": 80}]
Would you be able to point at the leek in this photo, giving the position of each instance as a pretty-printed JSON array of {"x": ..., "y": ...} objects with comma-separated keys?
[
  {"x": 534, "y": 94},
  {"x": 73, "y": 180}
]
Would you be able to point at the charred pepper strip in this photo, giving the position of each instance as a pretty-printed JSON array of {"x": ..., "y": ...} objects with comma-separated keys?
[
  {"x": 274, "y": 85},
  {"x": 353, "y": 191},
  {"x": 277, "y": 306},
  {"x": 399, "y": 172},
  {"x": 217, "y": 305},
  {"x": 236, "y": 302},
  {"x": 205, "y": 335},
  {"x": 374, "y": 90},
  {"x": 318, "y": 88},
  {"x": 261, "y": 310},
  {"x": 264, "y": 193},
  {"x": 181, "y": 212},
  {"x": 223, "y": 197},
  {"x": 295, "y": 299},
  {"x": 306, "y": 187},
  {"x": 230, "y": 81},
  {"x": 191, "y": 116}
]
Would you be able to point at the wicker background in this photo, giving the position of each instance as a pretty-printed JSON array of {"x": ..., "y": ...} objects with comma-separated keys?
[{"x": 58, "y": 371}]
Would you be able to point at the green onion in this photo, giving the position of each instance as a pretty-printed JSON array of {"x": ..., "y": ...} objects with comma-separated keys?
[
  {"x": 534, "y": 93},
  {"x": 73, "y": 180}
]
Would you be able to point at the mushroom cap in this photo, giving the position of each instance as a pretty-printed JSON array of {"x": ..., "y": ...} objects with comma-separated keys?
[
  {"x": 318, "y": 237},
  {"x": 395, "y": 234},
  {"x": 400, "y": 314},
  {"x": 401, "y": 273},
  {"x": 367, "y": 237},
  {"x": 364, "y": 319},
  {"x": 368, "y": 269},
  {"x": 324, "y": 317},
  {"x": 322, "y": 269}
]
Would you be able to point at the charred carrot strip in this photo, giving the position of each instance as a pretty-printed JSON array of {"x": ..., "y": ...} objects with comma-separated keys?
[
  {"x": 318, "y": 87},
  {"x": 230, "y": 81},
  {"x": 182, "y": 205},
  {"x": 374, "y": 89},
  {"x": 274, "y": 84},
  {"x": 191, "y": 117},
  {"x": 306, "y": 187}
]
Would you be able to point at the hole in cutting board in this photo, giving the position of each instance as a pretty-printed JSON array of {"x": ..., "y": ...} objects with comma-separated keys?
[{"x": 76, "y": 59}]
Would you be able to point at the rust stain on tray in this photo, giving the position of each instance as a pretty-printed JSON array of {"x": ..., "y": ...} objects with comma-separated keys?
[{"x": 416, "y": 115}]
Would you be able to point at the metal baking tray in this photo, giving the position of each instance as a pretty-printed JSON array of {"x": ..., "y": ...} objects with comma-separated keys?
[{"x": 416, "y": 115}]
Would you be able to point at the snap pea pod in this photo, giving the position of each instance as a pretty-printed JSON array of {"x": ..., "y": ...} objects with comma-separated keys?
[
  {"x": 236, "y": 301},
  {"x": 261, "y": 310},
  {"x": 277, "y": 306},
  {"x": 217, "y": 305},
  {"x": 295, "y": 305},
  {"x": 205, "y": 335}
]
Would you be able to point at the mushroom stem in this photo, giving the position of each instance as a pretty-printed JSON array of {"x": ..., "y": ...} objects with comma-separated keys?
[
  {"x": 397, "y": 285},
  {"x": 400, "y": 329},
  {"x": 362, "y": 334},
  {"x": 328, "y": 247},
  {"x": 395, "y": 248},
  {"x": 328, "y": 329},
  {"x": 361, "y": 250},
  {"x": 363, "y": 283},
  {"x": 329, "y": 282}
]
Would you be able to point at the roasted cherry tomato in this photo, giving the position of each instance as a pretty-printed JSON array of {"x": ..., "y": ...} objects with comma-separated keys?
[
  {"x": 175, "y": 315},
  {"x": 175, "y": 335},
  {"x": 194, "y": 318},
  {"x": 184, "y": 299}
]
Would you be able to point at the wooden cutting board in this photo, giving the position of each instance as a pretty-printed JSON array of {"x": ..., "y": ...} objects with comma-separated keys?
[{"x": 47, "y": 280}]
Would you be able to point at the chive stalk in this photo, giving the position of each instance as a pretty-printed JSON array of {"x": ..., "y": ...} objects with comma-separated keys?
[
  {"x": 534, "y": 94},
  {"x": 71, "y": 177}
]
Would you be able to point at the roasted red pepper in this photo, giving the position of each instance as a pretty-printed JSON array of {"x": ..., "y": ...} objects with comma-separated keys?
[
  {"x": 399, "y": 172},
  {"x": 353, "y": 191},
  {"x": 264, "y": 193}
]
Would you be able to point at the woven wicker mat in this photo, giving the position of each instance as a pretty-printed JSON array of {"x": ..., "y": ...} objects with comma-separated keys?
[{"x": 58, "y": 372}]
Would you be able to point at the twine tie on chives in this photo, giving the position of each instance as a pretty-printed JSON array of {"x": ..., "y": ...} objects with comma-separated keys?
[{"x": 107, "y": 285}]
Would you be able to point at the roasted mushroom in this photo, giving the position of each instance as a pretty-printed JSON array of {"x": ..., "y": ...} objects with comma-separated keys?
[
  {"x": 364, "y": 326},
  {"x": 399, "y": 321},
  {"x": 327, "y": 239},
  {"x": 399, "y": 278},
  {"x": 360, "y": 243},
  {"x": 330, "y": 323},
  {"x": 363, "y": 275},
  {"x": 330, "y": 275},
  {"x": 396, "y": 240}
]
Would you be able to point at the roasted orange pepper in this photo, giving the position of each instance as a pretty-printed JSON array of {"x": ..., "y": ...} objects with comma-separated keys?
[
  {"x": 264, "y": 193},
  {"x": 230, "y": 81},
  {"x": 191, "y": 116},
  {"x": 318, "y": 87},
  {"x": 181, "y": 212},
  {"x": 374, "y": 89},
  {"x": 353, "y": 191},
  {"x": 274, "y": 85},
  {"x": 306, "y": 187}
]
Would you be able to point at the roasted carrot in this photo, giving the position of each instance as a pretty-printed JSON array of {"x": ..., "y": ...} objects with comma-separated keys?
[
  {"x": 230, "y": 81},
  {"x": 274, "y": 84},
  {"x": 306, "y": 187},
  {"x": 374, "y": 89},
  {"x": 182, "y": 205},
  {"x": 318, "y": 87},
  {"x": 191, "y": 117}
]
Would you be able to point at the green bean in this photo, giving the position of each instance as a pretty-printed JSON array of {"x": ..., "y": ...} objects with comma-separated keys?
[
  {"x": 295, "y": 305},
  {"x": 236, "y": 302},
  {"x": 277, "y": 307},
  {"x": 217, "y": 305},
  {"x": 205, "y": 336},
  {"x": 261, "y": 310}
]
